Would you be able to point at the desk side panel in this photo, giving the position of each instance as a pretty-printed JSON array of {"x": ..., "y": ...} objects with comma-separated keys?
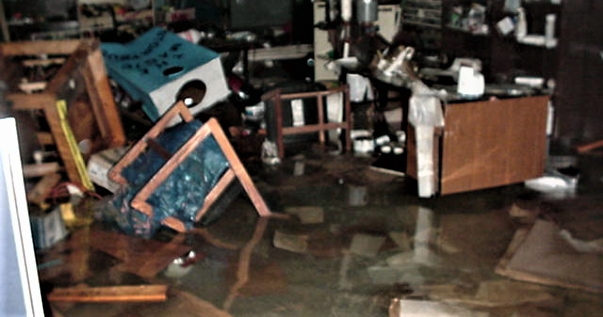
[{"x": 493, "y": 143}]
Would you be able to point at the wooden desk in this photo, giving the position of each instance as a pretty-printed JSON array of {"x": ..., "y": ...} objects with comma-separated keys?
[{"x": 487, "y": 144}]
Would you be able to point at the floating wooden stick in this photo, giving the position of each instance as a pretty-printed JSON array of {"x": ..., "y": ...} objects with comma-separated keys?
[
  {"x": 589, "y": 147},
  {"x": 142, "y": 293}
]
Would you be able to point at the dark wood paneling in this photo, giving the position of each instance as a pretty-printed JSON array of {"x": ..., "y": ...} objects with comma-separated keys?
[{"x": 579, "y": 84}]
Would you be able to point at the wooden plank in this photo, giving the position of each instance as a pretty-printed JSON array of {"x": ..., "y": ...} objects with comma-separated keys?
[
  {"x": 101, "y": 98},
  {"x": 321, "y": 119},
  {"x": 105, "y": 294},
  {"x": 23, "y": 101},
  {"x": 493, "y": 143},
  {"x": 63, "y": 47},
  {"x": 174, "y": 223},
  {"x": 215, "y": 193}
]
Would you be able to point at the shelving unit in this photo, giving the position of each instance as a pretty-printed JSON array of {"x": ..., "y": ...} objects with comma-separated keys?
[
  {"x": 443, "y": 26},
  {"x": 76, "y": 103},
  {"x": 426, "y": 13},
  {"x": 424, "y": 19},
  {"x": 532, "y": 59},
  {"x": 97, "y": 16}
]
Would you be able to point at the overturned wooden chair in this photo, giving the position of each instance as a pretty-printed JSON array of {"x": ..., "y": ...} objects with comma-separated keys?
[
  {"x": 278, "y": 100},
  {"x": 234, "y": 171}
]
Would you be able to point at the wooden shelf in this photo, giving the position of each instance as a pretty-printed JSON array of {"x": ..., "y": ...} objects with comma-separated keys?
[{"x": 80, "y": 85}]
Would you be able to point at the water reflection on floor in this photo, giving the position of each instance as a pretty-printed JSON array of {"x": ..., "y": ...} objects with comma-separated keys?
[{"x": 357, "y": 238}]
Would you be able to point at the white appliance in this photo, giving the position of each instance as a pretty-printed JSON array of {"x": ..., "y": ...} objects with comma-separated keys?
[{"x": 20, "y": 293}]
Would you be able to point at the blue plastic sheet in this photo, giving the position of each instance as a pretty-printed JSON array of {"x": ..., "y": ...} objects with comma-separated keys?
[{"x": 182, "y": 194}]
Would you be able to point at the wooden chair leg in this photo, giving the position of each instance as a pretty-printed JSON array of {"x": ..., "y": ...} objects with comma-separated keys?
[
  {"x": 280, "y": 143},
  {"x": 239, "y": 170}
]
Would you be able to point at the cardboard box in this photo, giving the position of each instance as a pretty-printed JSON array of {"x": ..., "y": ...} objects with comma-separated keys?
[
  {"x": 99, "y": 165},
  {"x": 47, "y": 228}
]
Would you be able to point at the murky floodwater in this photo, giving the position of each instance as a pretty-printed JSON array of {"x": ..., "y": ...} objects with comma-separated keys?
[{"x": 356, "y": 239}]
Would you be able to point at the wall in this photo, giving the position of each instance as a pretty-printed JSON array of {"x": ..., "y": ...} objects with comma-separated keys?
[{"x": 580, "y": 72}]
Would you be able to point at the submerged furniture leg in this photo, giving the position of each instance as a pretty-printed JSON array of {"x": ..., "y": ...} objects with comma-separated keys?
[{"x": 425, "y": 167}]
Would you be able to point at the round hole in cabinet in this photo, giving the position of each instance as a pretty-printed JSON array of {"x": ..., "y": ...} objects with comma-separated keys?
[{"x": 192, "y": 92}]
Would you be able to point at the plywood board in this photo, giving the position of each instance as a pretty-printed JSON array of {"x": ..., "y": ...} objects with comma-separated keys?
[{"x": 544, "y": 257}]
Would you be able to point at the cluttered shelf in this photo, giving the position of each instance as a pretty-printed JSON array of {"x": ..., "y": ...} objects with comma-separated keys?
[{"x": 422, "y": 13}]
